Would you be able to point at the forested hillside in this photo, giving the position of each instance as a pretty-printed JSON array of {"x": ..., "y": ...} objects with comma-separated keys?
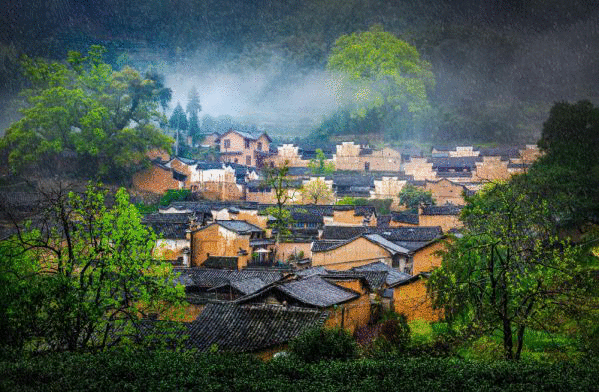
[{"x": 498, "y": 67}]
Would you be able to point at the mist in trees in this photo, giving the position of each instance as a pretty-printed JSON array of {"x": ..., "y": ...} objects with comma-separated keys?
[{"x": 498, "y": 67}]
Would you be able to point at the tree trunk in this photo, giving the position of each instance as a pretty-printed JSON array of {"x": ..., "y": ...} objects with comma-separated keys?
[
  {"x": 508, "y": 344},
  {"x": 519, "y": 342}
]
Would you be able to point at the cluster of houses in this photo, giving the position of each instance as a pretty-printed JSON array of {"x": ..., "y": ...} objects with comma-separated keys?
[
  {"x": 250, "y": 290},
  {"x": 359, "y": 171}
]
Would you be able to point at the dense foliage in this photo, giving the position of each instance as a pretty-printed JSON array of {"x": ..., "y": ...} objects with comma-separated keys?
[
  {"x": 172, "y": 371},
  {"x": 319, "y": 344},
  {"x": 85, "y": 118},
  {"x": 387, "y": 76},
  {"x": 83, "y": 276},
  {"x": 413, "y": 197}
]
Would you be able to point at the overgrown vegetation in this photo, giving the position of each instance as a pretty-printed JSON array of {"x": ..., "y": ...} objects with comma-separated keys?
[{"x": 170, "y": 371}]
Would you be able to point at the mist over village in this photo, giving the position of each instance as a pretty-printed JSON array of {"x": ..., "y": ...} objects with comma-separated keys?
[{"x": 299, "y": 195}]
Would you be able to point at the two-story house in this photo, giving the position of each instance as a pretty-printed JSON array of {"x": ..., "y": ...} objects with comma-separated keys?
[{"x": 244, "y": 148}]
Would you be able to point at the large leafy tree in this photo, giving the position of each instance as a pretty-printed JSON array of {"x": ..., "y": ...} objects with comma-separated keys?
[
  {"x": 84, "y": 275},
  {"x": 413, "y": 197},
  {"x": 509, "y": 270},
  {"x": 568, "y": 172},
  {"x": 386, "y": 75},
  {"x": 85, "y": 116}
]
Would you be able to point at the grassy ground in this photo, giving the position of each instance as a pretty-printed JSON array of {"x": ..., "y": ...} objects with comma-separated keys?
[{"x": 538, "y": 345}]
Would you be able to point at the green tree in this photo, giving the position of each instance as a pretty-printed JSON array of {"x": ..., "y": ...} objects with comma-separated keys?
[
  {"x": 319, "y": 165},
  {"x": 317, "y": 190},
  {"x": 277, "y": 179},
  {"x": 568, "y": 172},
  {"x": 95, "y": 268},
  {"x": 508, "y": 271},
  {"x": 412, "y": 197},
  {"x": 386, "y": 75},
  {"x": 100, "y": 121}
]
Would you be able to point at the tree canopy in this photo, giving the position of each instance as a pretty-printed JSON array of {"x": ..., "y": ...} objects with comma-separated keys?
[
  {"x": 509, "y": 270},
  {"x": 84, "y": 276},
  {"x": 412, "y": 197},
  {"x": 86, "y": 116},
  {"x": 568, "y": 172},
  {"x": 387, "y": 75}
]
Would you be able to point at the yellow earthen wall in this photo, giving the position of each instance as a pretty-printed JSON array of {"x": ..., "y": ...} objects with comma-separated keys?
[
  {"x": 354, "y": 254},
  {"x": 420, "y": 169},
  {"x": 285, "y": 249},
  {"x": 350, "y": 315},
  {"x": 412, "y": 300},
  {"x": 218, "y": 241},
  {"x": 445, "y": 191},
  {"x": 445, "y": 221},
  {"x": 155, "y": 180},
  {"x": 426, "y": 259}
]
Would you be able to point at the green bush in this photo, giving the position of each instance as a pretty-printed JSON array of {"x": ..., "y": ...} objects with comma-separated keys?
[
  {"x": 324, "y": 343},
  {"x": 172, "y": 195}
]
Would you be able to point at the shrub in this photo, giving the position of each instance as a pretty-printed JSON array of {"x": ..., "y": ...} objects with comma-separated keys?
[{"x": 321, "y": 343}]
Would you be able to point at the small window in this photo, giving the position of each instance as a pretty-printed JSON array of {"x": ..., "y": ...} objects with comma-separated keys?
[
  {"x": 248, "y": 160},
  {"x": 366, "y": 166},
  {"x": 259, "y": 146},
  {"x": 247, "y": 143},
  {"x": 227, "y": 143},
  {"x": 236, "y": 160}
]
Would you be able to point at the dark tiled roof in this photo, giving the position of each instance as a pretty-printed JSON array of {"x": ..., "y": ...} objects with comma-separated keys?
[
  {"x": 223, "y": 262},
  {"x": 324, "y": 245},
  {"x": 245, "y": 286},
  {"x": 461, "y": 174},
  {"x": 405, "y": 217},
  {"x": 248, "y": 328},
  {"x": 158, "y": 217},
  {"x": 418, "y": 233},
  {"x": 346, "y": 180},
  {"x": 208, "y": 277},
  {"x": 343, "y": 232},
  {"x": 312, "y": 209},
  {"x": 303, "y": 217},
  {"x": 193, "y": 206},
  {"x": 447, "y": 209},
  {"x": 503, "y": 152},
  {"x": 238, "y": 226},
  {"x": 392, "y": 277},
  {"x": 299, "y": 171},
  {"x": 316, "y": 291},
  {"x": 169, "y": 230},
  {"x": 209, "y": 165},
  {"x": 518, "y": 165},
  {"x": 455, "y": 162}
]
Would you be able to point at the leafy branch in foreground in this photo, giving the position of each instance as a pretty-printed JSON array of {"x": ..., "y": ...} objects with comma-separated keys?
[{"x": 86, "y": 273}]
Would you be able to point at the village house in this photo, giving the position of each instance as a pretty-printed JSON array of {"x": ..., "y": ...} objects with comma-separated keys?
[
  {"x": 446, "y": 216},
  {"x": 260, "y": 329},
  {"x": 420, "y": 169},
  {"x": 350, "y": 156},
  {"x": 244, "y": 148},
  {"x": 420, "y": 243},
  {"x": 411, "y": 298},
  {"x": 346, "y": 308},
  {"x": 229, "y": 244},
  {"x": 343, "y": 255},
  {"x": 445, "y": 191},
  {"x": 172, "y": 236},
  {"x": 158, "y": 178}
]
